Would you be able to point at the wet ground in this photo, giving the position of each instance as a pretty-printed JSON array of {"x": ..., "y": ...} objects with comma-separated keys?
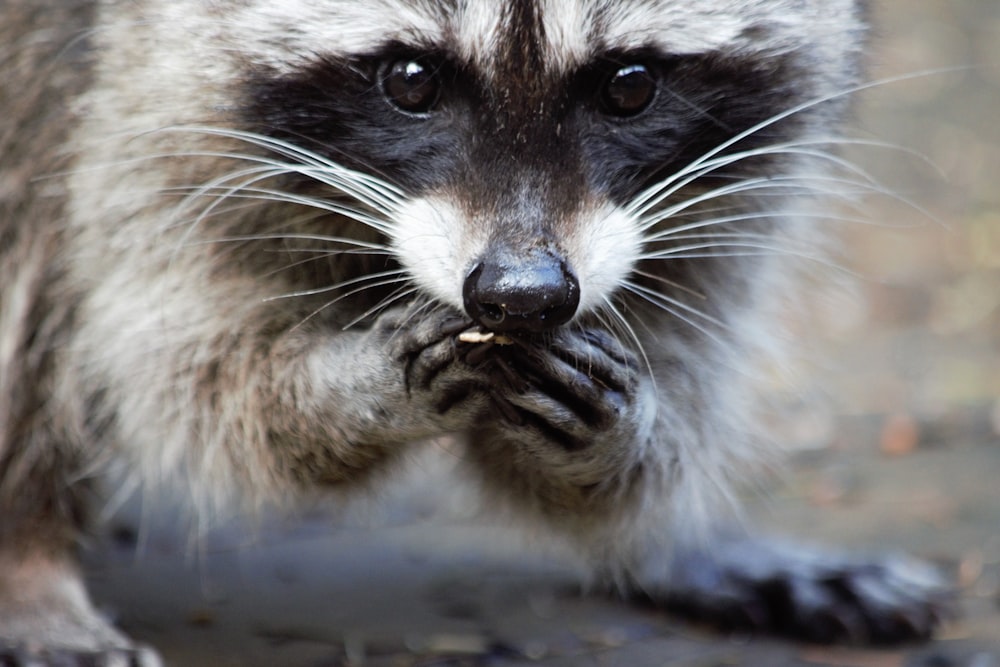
[{"x": 902, "y": 452}]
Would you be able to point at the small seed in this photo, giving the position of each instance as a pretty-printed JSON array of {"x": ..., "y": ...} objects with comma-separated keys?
[{"x": 484, "y": 337}]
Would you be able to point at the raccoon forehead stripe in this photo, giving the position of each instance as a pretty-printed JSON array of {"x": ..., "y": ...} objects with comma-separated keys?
[
  {"x": 570, "y": 33},
  {"x": 557, "y": 33},
  {"x": 346, "y": 26}
]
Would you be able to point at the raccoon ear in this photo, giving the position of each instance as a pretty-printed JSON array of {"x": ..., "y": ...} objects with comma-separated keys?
[
  {"x": 628, "y": 90},
  {"x": 411, "y": 85}
]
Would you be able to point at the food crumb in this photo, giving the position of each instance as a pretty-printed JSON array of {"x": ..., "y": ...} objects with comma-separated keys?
[{"x": 484, "y": 337}]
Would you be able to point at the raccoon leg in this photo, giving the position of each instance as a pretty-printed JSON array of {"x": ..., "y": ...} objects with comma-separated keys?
[
  {"x": 346, "y": 402},
  {"x": 331, "y": 405},
  {"x": 46, "y": 617},
  {"x": 581, "y": 440}
]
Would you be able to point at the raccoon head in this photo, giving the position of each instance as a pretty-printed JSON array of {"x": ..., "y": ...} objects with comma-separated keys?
[{"x": 537, "y": 151}]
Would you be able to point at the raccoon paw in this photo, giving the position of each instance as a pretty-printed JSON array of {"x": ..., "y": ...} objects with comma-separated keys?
[
  {"x": 11, "y": 656},
  {"x": 569, "y": 386},
  {"x": 424, "y": 345},
  {"x": 435, "y": 378},
  {"x": 754, "y": 586},
  {"x": 47, "y": 620}
]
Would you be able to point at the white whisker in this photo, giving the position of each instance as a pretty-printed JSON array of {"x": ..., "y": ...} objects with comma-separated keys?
[
  {"x": 783, "y": 186},
  {"x": 621, "y": 323},
  {"x": 726, "y": 190},
  {"x": 651, "y": 197},
  {"x": 345, "y": 283},
  {"x": 659, "y": 297},
  {"x": 265, "y": 194},
  {"x": 356, "y": 291},
  {"x": 401, "y": 293},
  {"x": 321, "y": 253},
  {"x": 376, "y": 192},
  {"x": 361, "y": 245},
  {"x": 752, "y": 251},
  {"x": 677, "y": 309},
  {"x": 670, "y": 283},
  {"x": 683, "y": 232}
]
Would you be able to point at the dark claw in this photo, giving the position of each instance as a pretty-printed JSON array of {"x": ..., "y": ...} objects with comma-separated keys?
[
  {"x": 803, "y": 594},
  {"x": 506, "y": 410},
  {"x": 412, "y": 344},
  {"x": 514, "y": 380},
  {"x": 477, "y": 353},
  {"x": 453, "y": 325},
  {"x": 425, "y": 354},
  {"x": 432, "y": 367},
  {"x": 20, "y": 657},
  {"x": 456, "y": 394}
]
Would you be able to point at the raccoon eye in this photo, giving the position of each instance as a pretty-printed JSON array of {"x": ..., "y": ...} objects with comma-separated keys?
[
  {"x": 629, "y": 90},
  {"x": 411, "y": 85}
]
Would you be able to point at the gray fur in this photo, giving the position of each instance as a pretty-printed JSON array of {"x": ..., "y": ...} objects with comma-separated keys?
[{"x": 150, "y": 314}]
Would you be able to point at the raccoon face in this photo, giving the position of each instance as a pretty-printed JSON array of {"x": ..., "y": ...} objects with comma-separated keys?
[{"x": 539, "y": 150}]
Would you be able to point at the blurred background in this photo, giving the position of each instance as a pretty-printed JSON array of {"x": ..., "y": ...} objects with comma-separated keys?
[
  {"x": 897, "y": 439},
  {"x": 930, "y": 315},
  {"x": 906, "y": 366},
  {"x": 909, "y": 344}
]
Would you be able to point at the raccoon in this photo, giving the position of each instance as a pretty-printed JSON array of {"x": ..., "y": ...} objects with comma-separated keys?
[{"x": 264, "y": 246}]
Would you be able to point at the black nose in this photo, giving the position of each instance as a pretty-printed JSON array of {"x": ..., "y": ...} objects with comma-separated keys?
[{"x": 526, "y": 291}]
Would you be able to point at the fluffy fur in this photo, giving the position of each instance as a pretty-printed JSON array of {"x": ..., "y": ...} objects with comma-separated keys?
[{"x": 250, "y": 273}]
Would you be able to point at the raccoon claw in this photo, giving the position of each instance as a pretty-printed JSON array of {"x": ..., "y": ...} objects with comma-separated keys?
[
  {"x": 425, "y": 346},
  {"x": 578, "y": 382},
  {"x": 794, "y": 592},
  {"x": 588, "y": 354},
  {"x": 11, "y": 656},
  {"x": 412, "y": 340}
]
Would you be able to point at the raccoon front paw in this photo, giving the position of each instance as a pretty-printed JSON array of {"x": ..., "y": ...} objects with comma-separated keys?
[
  {"x": 787, "y": 590},
  {"x": 568, "y": 387},
  {"x": 427, "y": 350},
  {"x": 47, "y": 620},
  {"x": 424, "y": 345},
  {"x": 12, "y": 656}
]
